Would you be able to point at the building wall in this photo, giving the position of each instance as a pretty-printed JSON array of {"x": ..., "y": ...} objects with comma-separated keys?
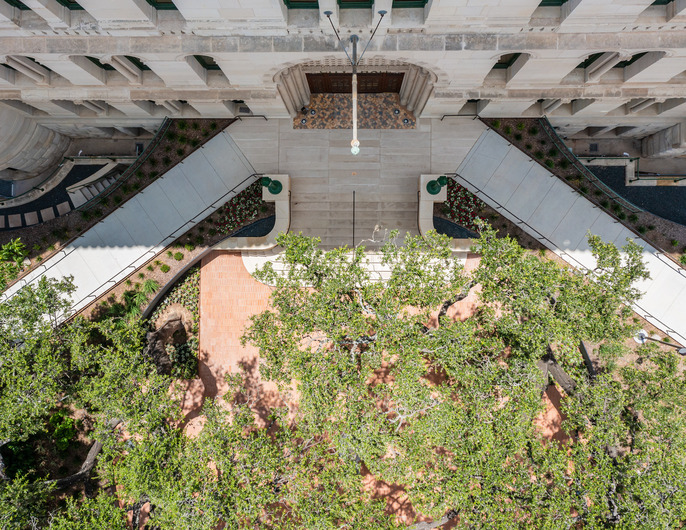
[{"x": 148, "y": 67}]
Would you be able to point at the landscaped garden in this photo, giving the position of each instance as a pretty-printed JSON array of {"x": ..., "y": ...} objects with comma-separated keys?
[{"x": 536, "y": 137}]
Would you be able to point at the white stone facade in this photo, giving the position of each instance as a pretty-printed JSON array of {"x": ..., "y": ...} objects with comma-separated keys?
[{"x": 594, "y": 67}]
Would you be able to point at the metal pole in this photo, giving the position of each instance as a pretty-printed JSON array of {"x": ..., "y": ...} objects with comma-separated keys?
[
  {"x": 355, "y": 143},
  {"x": 353, "y": 218}
]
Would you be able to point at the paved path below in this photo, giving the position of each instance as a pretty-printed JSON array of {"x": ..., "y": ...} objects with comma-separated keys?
[
  {"x": 144, "y": 225},
  {"x": 548, "y": 209}
]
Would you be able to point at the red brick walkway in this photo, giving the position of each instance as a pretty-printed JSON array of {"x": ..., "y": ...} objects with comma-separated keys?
[{"x": 229, "y": 295}]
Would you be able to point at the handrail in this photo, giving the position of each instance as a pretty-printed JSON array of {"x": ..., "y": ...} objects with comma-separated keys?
[
  {"x": 659, "y": 176},
  {"x": 582, "y": 169},
  {"x": 150, "y": 148},
  {"x": 37, "y": 186}
]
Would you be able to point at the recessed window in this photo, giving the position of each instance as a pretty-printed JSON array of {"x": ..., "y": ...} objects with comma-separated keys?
[
  {"x": 506, "y": 61},
  {"x": 207, "y": 62},
  {"x": 409, "y": 3},
  {"x": 163, "y": 5},
  {"x": 661, "y": 2},
  {"x": 71, "y": 5},
  {"x": 355, "y": 4},
  {"x": 624, "y": 64},
  {"x": 136, "y": 61},
  {"x": 301, "y": 4},
  {"x": 552, "y": 3},
  {"x": 18, "y": 5},
  {"x": 100, "y": 64}
]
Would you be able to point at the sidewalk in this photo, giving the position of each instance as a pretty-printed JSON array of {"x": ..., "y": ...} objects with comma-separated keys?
[{"x": 544, "y": 206}]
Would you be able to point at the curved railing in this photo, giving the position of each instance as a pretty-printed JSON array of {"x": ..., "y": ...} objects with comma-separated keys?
[
  {"x": 149, "y": 150},
  {"x": 583, "y": 170}
]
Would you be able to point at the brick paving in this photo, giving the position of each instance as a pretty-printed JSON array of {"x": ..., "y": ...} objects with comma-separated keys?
[{"x": 229, "y": 295}]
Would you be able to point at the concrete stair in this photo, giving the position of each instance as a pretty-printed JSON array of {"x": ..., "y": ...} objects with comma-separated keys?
[{"x": 80, "y": 195}]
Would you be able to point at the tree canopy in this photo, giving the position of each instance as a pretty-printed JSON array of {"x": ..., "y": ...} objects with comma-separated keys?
[{"x": 384, "y": 388}]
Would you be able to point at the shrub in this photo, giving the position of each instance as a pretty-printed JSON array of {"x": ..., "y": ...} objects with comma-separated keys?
[
  {"x": 517, "y": 136},
  {"x": 86, "y": 215},
  {"x": 604, "y": 203},
  {"x": 621, "y": 215},
  {"x": 213, "y": 126},
  {"x": 550, "y": 163},
  {"x": 195, "y": 126},
  {"x": 141, "y": 275},
  {"x": 153, "y": 174},
  {"x": 189, "y": 247},
  {"x": 39, "y": 258},
  {"x": 183, "y": 139},
  {"x": 171, "y": 135},
  {"x": 583, "y": 189},
  {"x": 150, "y": 286},
  {"x": 117, "y": 199},
  {"x": 167, "y": 148},
  {"x": 195, "y": 142},
  {"x": 507, "y": 129},
  {"x": 539, "y": 155},
  {"x": 533, "y": 131},
  {"x": 126, "y": 187},
  {"x": 528, "y": 146},
  {"x": 97, "y": 212},
  {"x": 199, "y": 240},
  {"x": 150, "y": 268},
  {"x": 128, "y": 282},
  {"x": 201, "y": 229},
  {"x": 184, "y": 358},
  {"x": 157, "y": 262},
  {"x": 164, "y": 268},
  {"x": 642, "y": 229},
  {"x": 633, "y": 218},
  {"x": 178, "y": 256},
  {"x": 563, "y": 163},
  {"x": 543, "y": 142},
  {"x": 182, "y": 125},
  {"x": 139, "y": 173},
  {"x": 166, "y": 160},
  {"x": 152, "y": 161},
  {"x": 616, "y": 207},
  {"x": 212, "y": 232},
  {"x": 180, "y": 151},
  {"x": 136, "y": 186},
  {"x": 63, "y": 429},
  {"x": 651, "y": 227},
  {"x": 682, "y": 259},
  {"x": 674, "y": 242},
  {"x": 170, "y": 254},
  {"x": 553, "y": 152},
  {"x": 520, "y": 126},
  {"x": 205, "y": 132}
]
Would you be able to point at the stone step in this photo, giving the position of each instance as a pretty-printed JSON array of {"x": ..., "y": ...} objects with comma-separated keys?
[{"x": 78, "y": 198}]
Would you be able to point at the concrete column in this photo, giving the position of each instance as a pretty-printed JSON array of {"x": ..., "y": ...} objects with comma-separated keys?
[
  {"x": 654, "y": 67},
  {"x": 27, "y": 146},
  {"x": 77, "y": 70},
  {"x": 670, "y": 142},
  {"x": 593, "y": 107},
  {"x": 328, "y": 5},
  {"x": 267, "y": 13},
  {"x": 29, "y": 68},
  {"x": 174, "y": 107},
  {"x": 54, "y": 107},
  {"x": 550, "y": 105},
  {"x": 6, "y": 76},
  {"x": 540, "y": 71},
  {"x": 120, "y": 14},
  {"x": 98, "y": 108},
  {"x": 672, "y": 107},
  {"x": 142, "y": 109},
  {"x": 9, "y": 16},
  {"x": 55, "y": 14},
  {"x": 676, "y": 11},
  {"x": 213, "y": 109},
  {"x": 126, "y": 68},
  {"x": 180, "y": 73},
  {"x": 602, "y": 65},
  {"x": 382, "y": 5},
  {"x": 613, "y": 14}
]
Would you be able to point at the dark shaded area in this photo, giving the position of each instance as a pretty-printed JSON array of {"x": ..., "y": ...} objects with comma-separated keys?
[
  {"x": 58, "y": 194},
  {"x": 668, "y": 202},
  {"x": 5, "y": 188},
  {"x": 257, "y": 229},
  {"x": 450, "y": 229}
]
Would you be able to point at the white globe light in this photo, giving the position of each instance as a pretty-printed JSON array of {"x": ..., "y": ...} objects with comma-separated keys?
[{"x": 354, "y": 149}]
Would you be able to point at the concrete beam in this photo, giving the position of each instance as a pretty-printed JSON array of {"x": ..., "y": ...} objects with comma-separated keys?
[
  {"x": 120, "y": 13},
  {"x": 6, "y": 76},
  {"x": 672, "y": 107},
  {"x": 180, "y": 73},
  {"x": 128, "y": 131},
  {"x": 134, "y": 108},
  {"x": 55, "y": 14},
  {"x": 126, "y": 68},
  {"x": 77, "y": 70},
  {"x": 29, "y": 68},
  {"x": 214, "y": 109}
]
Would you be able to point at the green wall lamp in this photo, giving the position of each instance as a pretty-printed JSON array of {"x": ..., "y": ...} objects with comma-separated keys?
[
  {"x": 434, "y": 186},
  {"x": 274, "y": 186}
]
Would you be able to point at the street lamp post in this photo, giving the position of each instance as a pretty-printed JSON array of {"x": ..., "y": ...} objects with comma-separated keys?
[
  {"x": 642, "y": 336},
  {"x": 354, "y": 61}
]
